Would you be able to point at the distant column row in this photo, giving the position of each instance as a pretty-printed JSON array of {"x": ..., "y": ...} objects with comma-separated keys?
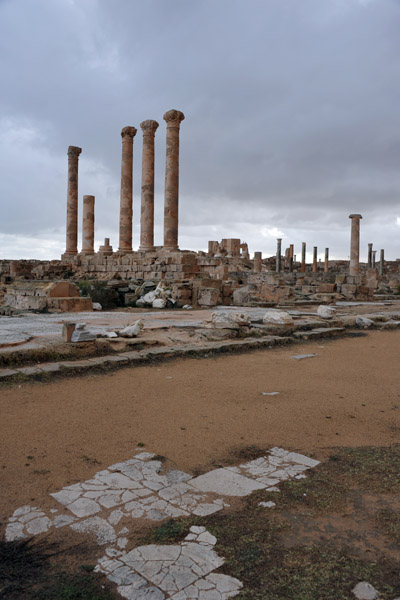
[{"x": 173, "y": 119}]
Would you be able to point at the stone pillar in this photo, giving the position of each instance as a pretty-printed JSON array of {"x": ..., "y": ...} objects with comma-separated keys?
[
  {"x": 107, "y": 249},
  {"x": 303, "y": 257},
  {"x": 326, "y": 266},
  {"x": 88, "y": 225},
  {"x": 125, "y": 211},
  {"x": 149, "y": 129},
  {"x": 373, "y": 259},
  {"x": 72, "y": 201},
  {"x": 382, "y": 262},
  {"x": 278, "y": 255},
  {"x": 291, "y": 251},
  {"x": 257, "y": 262},
  {"x": 173, "y": 119},
  {"x": 315, "y": 260},
  {"x": 369, "y": 256},
  {"x": 355, "y": 245},
  {"x": 13, "y": 268},
  {"x": 290, "y": 264}
]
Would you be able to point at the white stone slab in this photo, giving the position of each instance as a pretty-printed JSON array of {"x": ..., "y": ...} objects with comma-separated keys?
[
  {"x": 225, "y": 482},
  {"x": 97, "y": 526},
  {"x": 83, "y": 507}
]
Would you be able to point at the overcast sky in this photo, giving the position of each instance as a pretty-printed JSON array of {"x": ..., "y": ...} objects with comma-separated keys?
[{"x": 292, "y": 118}]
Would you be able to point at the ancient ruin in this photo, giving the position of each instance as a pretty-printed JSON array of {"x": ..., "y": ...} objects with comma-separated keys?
[{"x": 224, "y": 275}]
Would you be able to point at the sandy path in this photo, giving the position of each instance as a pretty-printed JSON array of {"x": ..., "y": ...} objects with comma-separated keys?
[{"x": 196, "y": 411}]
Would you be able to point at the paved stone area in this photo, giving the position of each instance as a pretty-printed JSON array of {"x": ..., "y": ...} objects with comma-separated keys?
[{"x": 139, "y": 488}]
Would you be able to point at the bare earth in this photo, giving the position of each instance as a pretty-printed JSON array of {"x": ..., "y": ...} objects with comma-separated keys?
[{"x": 196, "y": 411}]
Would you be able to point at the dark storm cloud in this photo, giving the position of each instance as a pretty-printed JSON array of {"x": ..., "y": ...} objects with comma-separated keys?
[{"x": 291, "y": 116}]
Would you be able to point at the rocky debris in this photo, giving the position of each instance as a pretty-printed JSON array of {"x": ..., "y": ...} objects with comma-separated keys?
[
  {"x": 187, "y": 307},
  {"x": 159, "y": 303},
  {"x": 365, "y": 591},
  {"x": 326, "y": 312},
  {"x": 364, "y": 322},
  {"x": 132, "y": 330},
  {"x": 227, "y": 320},
  {"x": 97, "y": 306},
  {"x": 160, "y": 297},
  {"x": 81, "y": 334}
]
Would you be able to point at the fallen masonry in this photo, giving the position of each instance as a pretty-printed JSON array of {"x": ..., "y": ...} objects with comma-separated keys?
[{"x": 139, "y": 488}]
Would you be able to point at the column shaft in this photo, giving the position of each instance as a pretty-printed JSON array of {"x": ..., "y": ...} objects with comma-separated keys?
[
  {"x": 147, "y": 196},
  {"x": 303, "y": 257},
  {"x": 315, "y": 260},
  {"x": 278, "y": 255},
  {"x": 72, "y": 201},
  {"x": 369, "y": 256},
  {"x": 355, "y": 245},
  {"x": 173, "y": 119},
  {"x": 382, "y": 262},
  {"x": 326, "y": 266},
  {"x": 88, "y": 225},
  {"x": 125, "y": 211},
  {"x": 257, "y": 262}
]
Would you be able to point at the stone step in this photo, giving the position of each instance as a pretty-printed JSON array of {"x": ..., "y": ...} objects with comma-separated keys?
[{"x": 321, "y": 332}]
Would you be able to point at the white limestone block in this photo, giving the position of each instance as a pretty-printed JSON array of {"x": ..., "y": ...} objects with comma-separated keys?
[
  {"x": 365, "y": 591},
  {"x": 132, "y": 330},
  {"x": 364, "y": 323},
  {"x": 326, "y": 312}
]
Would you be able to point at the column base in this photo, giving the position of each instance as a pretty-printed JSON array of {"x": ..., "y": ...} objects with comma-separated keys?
[
  {"x": 123, "y": 251},
  {"x": 146, "y": 248},
  {"x": 171, "y": 248},
  {"x": 69, "y": 255}
]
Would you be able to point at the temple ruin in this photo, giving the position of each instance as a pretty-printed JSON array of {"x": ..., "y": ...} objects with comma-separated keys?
[{"x": 225, "y": 274}]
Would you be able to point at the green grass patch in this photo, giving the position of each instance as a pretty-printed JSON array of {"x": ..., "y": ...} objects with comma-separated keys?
[
  {"x": 26, "y": 571},
  {"x": 389, "y": 521}
]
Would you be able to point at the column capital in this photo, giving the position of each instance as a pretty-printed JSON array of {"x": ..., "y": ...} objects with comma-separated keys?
[
  {"x": 128, "y": 132},
  {"x": 355, "y": 216},
  {"x": 149, "y": 127},
  {"x": 74, "y": 151},
  {"x": 173, "y": 118}
]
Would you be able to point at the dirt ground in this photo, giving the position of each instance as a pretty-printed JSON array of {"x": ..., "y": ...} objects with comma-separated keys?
[{"x": 195, "y": 411}]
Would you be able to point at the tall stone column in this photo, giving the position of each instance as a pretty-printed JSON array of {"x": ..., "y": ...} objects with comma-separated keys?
[
  {"x": 303, "y": 257},
  {"x": 278, "y": 255},
  {"x": 125, "y": 210},
  {"x": 291, "y": 251},
  {"x": 355, "y": 245},
  {"x": 72, "y": 201},
  {"x": 257, "y": 262},
  {"x": 369, "y": 256},
  {"x": 149, "y": 129},
  {"x": 173, "y": 119},
  {"x": 381, "y": 262},
  {"x": 326, "y": 266},
  {"x": 373, "y": 259},
  {"x": 88, "y": 225},
  {"x": 315, "y": 260}
]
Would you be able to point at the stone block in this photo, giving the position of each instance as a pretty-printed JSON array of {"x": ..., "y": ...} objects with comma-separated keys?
[{"x": 208, "y": 297}]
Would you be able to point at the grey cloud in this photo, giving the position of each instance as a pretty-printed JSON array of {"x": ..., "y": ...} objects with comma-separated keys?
[{"x": 291, "y": 113}]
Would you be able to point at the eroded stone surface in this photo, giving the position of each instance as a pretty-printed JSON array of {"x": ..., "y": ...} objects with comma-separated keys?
[
  {"x": 181, "y": 572},
  {"x": 138, "y": 488}
]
